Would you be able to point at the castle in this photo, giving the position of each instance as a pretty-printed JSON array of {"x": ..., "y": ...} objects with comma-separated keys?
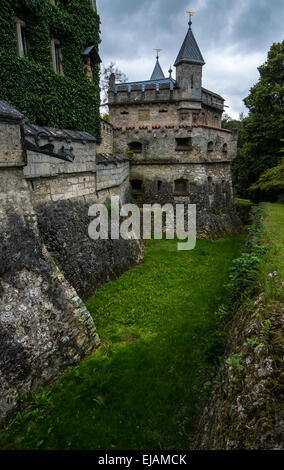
[
  {"x": 164, "y": 144},
  {"x": 171, "y": 131}
]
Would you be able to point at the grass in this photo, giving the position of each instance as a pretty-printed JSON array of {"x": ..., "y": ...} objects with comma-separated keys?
[
  {"x": 143, "y": 388},
  {"x": 273, "y": 228},
  {"x": 243, "y": 201}
]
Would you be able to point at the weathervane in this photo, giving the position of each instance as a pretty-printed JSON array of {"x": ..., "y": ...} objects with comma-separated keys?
[
  {"x": 191, "y": 13},
  {"x": 157, "y": 50}
]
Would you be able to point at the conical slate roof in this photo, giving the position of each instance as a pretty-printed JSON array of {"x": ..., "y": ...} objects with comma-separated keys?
[
  {"x": 189, "y": 51},
  {"x": 158, "y": 73}
]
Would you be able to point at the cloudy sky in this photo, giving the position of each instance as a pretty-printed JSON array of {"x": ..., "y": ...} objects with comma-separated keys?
[{"x": 234, "y": 37}]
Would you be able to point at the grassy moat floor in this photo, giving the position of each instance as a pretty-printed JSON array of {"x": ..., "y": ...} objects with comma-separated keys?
[{"x": 142, "y": 389}]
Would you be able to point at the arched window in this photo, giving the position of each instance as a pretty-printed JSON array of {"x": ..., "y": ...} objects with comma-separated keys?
[
  {"x": 137, "y": 186},
  {"x": 135, "y": 147},
  {"x": 210, "y": 147},
  {"x": 225, "y": 148},
  {"x": 181, "y": 187}
]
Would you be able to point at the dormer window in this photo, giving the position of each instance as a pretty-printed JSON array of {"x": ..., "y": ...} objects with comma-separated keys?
[
  {"x": 56, "y": 56},
  {"x": 21, "y": 38},
  {"x": 91, "y": 59}
]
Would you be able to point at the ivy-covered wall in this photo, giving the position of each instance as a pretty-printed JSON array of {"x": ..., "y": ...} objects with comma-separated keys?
[{"x": 30, "y": 84}]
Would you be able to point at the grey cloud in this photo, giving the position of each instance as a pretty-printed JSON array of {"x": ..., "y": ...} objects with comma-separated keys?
[{"x": 242, "y": 28}]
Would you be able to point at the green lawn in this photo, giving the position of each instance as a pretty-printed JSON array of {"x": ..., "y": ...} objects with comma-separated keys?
[
  {"x": 243, "y": 201},
  {"x": 273, "y": 262},
  {"x": 142, "y": 389}
]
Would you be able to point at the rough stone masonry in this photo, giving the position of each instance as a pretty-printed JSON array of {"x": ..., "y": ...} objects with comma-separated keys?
[{"x": 47, "y": 258}]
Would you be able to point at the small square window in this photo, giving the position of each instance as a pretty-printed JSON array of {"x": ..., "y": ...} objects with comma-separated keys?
[
  {"x": 183, "y": 144},
  {"x": 181, "y": 188}
]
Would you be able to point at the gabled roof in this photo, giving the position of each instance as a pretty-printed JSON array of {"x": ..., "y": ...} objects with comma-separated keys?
[
  {"x": 189, "y": 51},
  {"x": 158, "y": 73}
]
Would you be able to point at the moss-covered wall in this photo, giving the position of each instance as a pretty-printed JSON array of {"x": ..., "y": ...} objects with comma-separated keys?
[{"x": 44, "y": 96}]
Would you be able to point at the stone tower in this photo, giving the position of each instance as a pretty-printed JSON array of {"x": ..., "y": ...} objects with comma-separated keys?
[
  {"x": 171, "y": 130},
  {"x": 189, "y": 63}
]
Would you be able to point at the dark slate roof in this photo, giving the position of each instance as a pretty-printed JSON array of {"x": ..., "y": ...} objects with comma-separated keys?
[
  {"x": 158, "y": 73},
  {"x": 31, "y": 130},
  {"x": 9, "y": 113},
  {"x": 189, "y": 51}
]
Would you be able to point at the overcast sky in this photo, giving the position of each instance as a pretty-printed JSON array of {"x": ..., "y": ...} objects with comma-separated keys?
[{"x": 234, "y": 37}]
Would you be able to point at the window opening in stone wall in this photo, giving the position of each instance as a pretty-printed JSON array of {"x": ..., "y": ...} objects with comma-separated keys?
[
  {"x": 225, "y": 148},
  {"x": 210, "y": 147},
  {"x": 181, "y": 187},
  {"x": 210, "y": 185},
  {"x": 159, "y": 185},
  {"x": 183, "y": 143},
  {"x": 137, "y": 186},
  {"x": 135, "y": 147}
]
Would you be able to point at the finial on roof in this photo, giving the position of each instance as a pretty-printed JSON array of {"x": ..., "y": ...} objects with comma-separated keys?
[
  {"x": 158, "y": 73},
  {"x": 189, "y": 51},
  {"x": 191, "y": 13},
  {"x": 170, "y": 72},
  {"x": 158, "y": 50}
]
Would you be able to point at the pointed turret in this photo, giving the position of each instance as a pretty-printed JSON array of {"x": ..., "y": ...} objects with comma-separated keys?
[
  {"x": 158, "y": 73},
  {"x": 189, "y": 63},
  {"x": 189, "y": 51}
]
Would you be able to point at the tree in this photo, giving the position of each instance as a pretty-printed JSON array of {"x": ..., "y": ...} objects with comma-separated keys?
[
  {"x": 270, "y": 185},
  {"x": 262, "y": 130},
  {"x": 107, "y": 71}
]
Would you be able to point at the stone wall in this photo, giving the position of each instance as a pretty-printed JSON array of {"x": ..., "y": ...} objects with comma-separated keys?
[
  {"x": 163, "y": 102},
  {"x": 48, "y": 260},
  {"x": 158, "y": 183},
  {"x": 106, "y": 145},
  {"x": 44, "y": 326},
  {"x": 160, "y": 143},
  {"x": 216, "y": 214}
]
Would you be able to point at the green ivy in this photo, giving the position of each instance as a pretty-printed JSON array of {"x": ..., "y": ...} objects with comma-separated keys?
[{"x": 30, "y": 84}]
